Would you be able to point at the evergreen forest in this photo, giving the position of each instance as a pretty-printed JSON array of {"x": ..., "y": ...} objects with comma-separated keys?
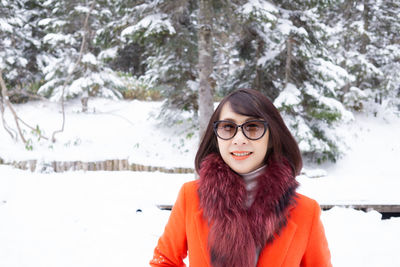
[{"x": 320, "y": 61}]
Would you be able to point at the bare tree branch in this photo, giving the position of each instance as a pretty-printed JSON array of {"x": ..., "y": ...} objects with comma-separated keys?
[
  {"x": 85, "y": 25},
  {"x": 8, "y": 103},
  {"x": 9, "y": 130},
  {"x": 17, "y": 119}
]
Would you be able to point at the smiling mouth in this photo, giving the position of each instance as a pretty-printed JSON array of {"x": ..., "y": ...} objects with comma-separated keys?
[{"x": 240, "y": 155}]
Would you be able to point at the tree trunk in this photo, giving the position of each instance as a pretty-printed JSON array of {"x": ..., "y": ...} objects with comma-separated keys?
[
  {"x": 288, "y": 67},
  {"x": 364, "y": 37},
  {"x": 259, "y": 69},
  {"x": 206, "y": 103}
]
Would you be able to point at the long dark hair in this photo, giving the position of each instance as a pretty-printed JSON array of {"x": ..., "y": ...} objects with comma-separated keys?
[{"x": 252, "y": 103}]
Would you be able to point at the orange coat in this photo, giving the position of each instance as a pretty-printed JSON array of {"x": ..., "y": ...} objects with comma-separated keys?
[{"x": 302, "y": 241}]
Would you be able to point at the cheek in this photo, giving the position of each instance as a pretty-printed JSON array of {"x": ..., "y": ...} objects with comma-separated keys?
[
  {"x": 221, "y": 145},
  {"x": 264, "y": 145}
]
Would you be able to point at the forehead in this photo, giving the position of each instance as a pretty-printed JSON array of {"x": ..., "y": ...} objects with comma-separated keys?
[{"x": 227, "y": 113}]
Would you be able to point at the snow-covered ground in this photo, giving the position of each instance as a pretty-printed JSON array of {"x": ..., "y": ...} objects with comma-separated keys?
[{"x": 111, "y": 219}]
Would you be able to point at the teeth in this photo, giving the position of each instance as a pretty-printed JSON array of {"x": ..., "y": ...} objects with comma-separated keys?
[{"x": 241, "y": 154}]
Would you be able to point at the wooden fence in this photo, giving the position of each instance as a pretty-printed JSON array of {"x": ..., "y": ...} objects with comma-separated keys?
[{"x": 105, "y": 165}]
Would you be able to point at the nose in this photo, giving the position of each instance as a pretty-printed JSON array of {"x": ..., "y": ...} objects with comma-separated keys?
[{"x": 239, "y": 138}]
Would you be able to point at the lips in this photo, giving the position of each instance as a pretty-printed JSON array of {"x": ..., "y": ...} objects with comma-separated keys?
[{"x": 240, "y": 155}]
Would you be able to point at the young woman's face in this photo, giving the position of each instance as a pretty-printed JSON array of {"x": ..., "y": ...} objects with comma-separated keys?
[{"x": 240, "y": 153}]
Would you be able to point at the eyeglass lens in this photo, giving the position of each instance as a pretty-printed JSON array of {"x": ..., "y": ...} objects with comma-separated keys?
[{"x": 253, "y": 130}]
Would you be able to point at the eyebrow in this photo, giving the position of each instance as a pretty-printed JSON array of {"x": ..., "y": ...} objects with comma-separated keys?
[{"x": 249, "y": 119}]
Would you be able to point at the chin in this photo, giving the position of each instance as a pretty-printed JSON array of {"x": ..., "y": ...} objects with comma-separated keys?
[{"x": 242, "y": 170}]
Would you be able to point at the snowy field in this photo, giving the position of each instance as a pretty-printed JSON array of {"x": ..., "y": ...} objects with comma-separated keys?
[{"x": 94, "y": 219}]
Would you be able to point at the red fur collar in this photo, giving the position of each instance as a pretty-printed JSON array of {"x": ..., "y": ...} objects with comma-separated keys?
[{"x": 235, "y": 230}]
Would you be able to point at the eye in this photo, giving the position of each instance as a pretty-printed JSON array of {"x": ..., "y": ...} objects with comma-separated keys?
[
  {"x": 226, "y": 126},
  {"x": 252, "y": 126}
]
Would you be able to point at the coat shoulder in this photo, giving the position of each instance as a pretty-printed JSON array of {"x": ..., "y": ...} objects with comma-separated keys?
[
  {"x": 305, "y": 207},
  {"x": 191, "y": 186},
  {"x": 305, "y": 201},
  {"x": 189, "y": 193}
]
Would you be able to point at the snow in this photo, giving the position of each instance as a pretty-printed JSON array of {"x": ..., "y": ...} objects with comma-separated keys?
[
  {"x": 260, "y": 8},
  {"x": 288, "y": 97},
  {"x": 5, "y": 27},
  {"x": 116, "y": 129},
  {"x": 89, "y": 58},
  {"x": 111, "y": 219},
  {"x": 305, "y": 138},
  {"x": 55, "y": 38},
  {"x": 10, "y": 60},
  {"x": 271, "y": 55},
  {"x": 82, "y": 9},
  {"x": 335, "y": 76},
  {"x": 108, "y": 53},
  {"x": 45, "y": 22},
  {"x": 82, "y": 219},
  {"x": 360, "y": 239},
  {"x": 153, "y": 23},
  {"x": 22, "y": 61}
]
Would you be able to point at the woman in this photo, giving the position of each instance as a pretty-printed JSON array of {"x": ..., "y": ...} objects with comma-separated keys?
[{"x": 244, "y": 211}]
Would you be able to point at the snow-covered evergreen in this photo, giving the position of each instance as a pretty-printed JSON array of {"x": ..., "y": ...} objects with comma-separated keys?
[
  {"x": 319, "y": 61},
  {"x": 73, "y": 64},
  {"x": 285, "y": 53},
  {"x": 20, "y": 43}
]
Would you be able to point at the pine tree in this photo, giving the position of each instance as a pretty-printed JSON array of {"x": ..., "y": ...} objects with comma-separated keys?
[
  {"x": 283, "y": 52},
  {"x": 166, "y": 32},
  {"x": 20, "y": 46},
  {"x": 384, "y": 48},
  {"x": 74, "y": 65}
]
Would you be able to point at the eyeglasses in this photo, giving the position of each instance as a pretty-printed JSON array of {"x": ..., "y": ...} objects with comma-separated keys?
[{"x": 253, "y": 130}]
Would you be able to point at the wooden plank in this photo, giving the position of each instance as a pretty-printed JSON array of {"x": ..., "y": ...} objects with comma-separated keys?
[
  {"x": 364, "y": 207},
  {"x": 164, "y": 207},
  {"x": 382, "y": 208}
]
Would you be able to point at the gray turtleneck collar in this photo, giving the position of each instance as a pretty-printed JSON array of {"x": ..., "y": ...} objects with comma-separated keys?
[{"x": 250, "y": 179}]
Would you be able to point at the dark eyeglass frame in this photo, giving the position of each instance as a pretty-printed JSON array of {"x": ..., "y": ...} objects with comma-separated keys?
[{"x": 240, "y": 126}]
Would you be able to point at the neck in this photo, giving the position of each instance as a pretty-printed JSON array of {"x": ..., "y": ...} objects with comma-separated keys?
[
  {"x": 253, "y": 174},
  {"x": 250, "y": 180}
]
